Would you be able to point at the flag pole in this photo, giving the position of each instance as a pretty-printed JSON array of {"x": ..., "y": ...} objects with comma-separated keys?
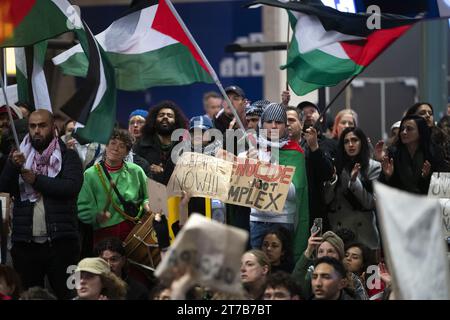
[
  {"x": 333, "y": 100},
  {"x": 287, "y": 51},
  {"x": 210, "y": 68},
  {"x": 11, "y": 120}
]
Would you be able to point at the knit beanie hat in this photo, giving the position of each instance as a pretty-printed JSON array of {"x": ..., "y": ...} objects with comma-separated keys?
[
  {"x": 274, "y": 112},
  {"x": 333, "y": 239},
  {"x": 256, "y": 108},
  {"x": 139, "y": 112}
]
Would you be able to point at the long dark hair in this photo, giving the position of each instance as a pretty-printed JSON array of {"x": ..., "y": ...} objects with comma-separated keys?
[
  {"x": 149, "y": 128},
  {"x": 344, "y": 161},
  {"x": 413, "y": 109},
  {"x": 424, "y": 135}
]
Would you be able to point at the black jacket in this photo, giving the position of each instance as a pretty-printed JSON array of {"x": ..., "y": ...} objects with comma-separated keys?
[
  {"x": 319, "y": 169},
  {"x": 149, "y": 148},
  {"x": 60, "y": 199}
]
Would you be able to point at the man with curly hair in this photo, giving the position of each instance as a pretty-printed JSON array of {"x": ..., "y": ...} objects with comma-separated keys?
[{"x": 156, "y": 144}]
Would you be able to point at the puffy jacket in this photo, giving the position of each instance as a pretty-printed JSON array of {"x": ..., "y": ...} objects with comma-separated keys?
[{"x": 60, "y": 199}]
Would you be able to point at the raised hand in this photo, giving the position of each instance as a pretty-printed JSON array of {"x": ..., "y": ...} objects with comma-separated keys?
[
  {"x": 355, "y": 171},
  {"x": 388, "y": 166},
  {"x": 311, "y": 138},
  {"x": 285, "y": 97},
  {"x": 313, "y": 243},
  {"x": 379, "y": 152},
  {"x": 384, "y": 274},
  {"x": 426, "y": 169}
]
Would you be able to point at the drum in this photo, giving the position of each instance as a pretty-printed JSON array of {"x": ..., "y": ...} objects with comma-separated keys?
[{"x": 141, "y": 244}]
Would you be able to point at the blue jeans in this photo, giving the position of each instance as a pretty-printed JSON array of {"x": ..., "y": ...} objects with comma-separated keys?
[{"x": 259, "y": 229}]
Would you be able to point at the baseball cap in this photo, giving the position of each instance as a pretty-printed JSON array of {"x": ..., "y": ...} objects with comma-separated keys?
[
  {"x": 305, "y": 104},
  {"x": 236, "y": 90},
  {"x": 93, "y": 265},
  {"x": 200, "y": 122}
]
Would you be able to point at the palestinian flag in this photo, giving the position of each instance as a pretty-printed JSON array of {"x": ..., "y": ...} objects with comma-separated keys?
[
  {"x": 329, "y": 46},
  {"x": 293, "y": 155},
  {"x": 94, "y": 102},
  {"x": 31, "y": 82},
  {"x": 31, "y": 21},
  {"x": 147, "y": 47}
]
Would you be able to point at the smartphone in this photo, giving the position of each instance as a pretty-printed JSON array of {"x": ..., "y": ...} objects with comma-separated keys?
[{"x": 317, "y": 225}]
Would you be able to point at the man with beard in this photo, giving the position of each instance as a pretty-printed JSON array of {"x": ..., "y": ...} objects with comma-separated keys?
[
  {"x": 155, "y": 144},
  {"x": 44, "y": 178}
]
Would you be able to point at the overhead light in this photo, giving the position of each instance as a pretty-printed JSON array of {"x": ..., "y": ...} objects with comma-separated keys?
[
  {"x": 10, "y": 62},
  {"x": 357, "y": 83},
  {"x": 411, "y": 82}
]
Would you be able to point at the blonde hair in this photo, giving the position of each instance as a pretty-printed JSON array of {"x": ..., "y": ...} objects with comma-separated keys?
[
  {"x": 338, "y": 117},
  {"x": 261, "y": 258}
]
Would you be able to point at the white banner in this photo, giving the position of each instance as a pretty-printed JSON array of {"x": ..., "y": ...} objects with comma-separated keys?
[
  {"x": 440, "y": 188},
  {"x": 412, "y": 233}
]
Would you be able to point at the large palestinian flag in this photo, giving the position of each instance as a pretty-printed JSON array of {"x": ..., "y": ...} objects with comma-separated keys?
[
  {"x": 95, "y": 101},
  {"x": 147, "y": 48},
  {"x": 329, "y": 46}
]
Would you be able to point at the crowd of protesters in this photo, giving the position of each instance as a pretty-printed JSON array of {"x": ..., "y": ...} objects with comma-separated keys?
[{"x": 75, "y": 204}]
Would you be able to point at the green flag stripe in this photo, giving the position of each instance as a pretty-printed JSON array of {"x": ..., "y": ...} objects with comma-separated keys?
[{"x": 171, "y": 65}]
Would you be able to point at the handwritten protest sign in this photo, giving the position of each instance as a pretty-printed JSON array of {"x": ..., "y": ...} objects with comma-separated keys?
[
  {"x": 200, "y": 176},
  {"x": 259, "y": 185},
  {"x": 440, "y": 188},
  {"x": 246, "y": 182},
  {"x": 210, "y": 251}
]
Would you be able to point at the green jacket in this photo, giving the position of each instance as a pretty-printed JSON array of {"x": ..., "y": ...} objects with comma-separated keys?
[{"x": 92, "y": 199}]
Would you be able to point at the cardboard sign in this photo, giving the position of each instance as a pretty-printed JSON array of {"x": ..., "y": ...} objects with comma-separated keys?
[
  {"x": 200, "y": 176},
  {"x": 157, "y": 196},
  {"x": 259, "y": 185},
  {"x": 411, "y": 227},
  {"x": 210, "y": 251},
  {"x": 246, "y": 182},
  {"x": 440, "y": 188}
]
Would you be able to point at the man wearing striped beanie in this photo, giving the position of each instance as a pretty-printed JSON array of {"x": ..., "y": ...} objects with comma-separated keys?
[{"x": 274, "y": 139}]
